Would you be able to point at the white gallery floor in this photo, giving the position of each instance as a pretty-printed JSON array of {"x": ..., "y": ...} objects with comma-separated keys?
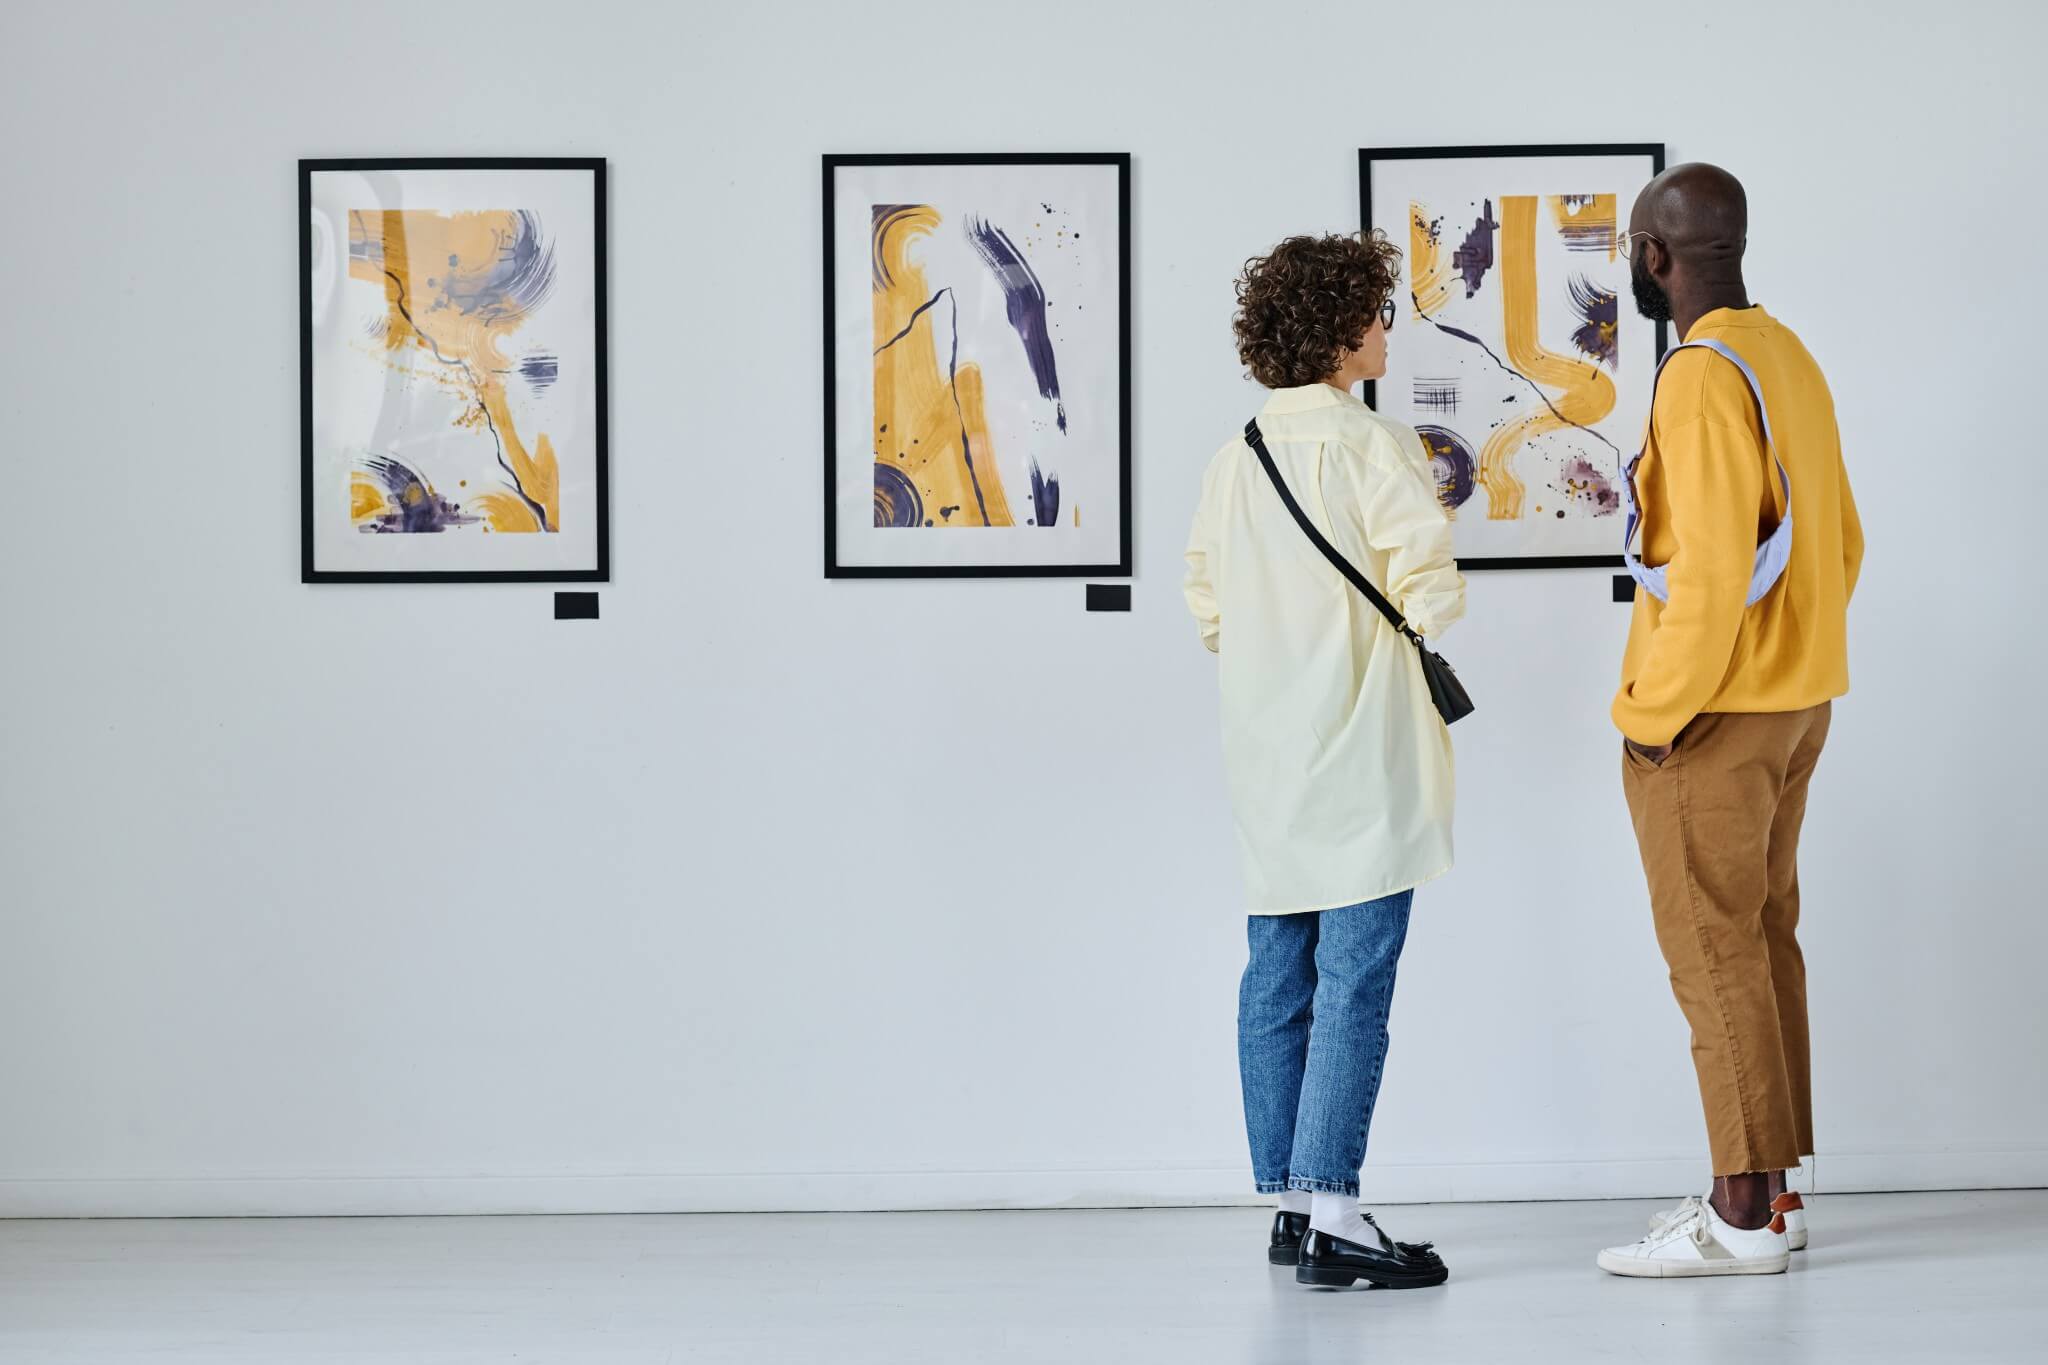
[{"x": 1898, "y": 1277}]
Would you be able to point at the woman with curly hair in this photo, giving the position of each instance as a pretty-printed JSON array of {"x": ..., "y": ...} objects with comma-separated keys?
[{"x": 1339, "y": 765}]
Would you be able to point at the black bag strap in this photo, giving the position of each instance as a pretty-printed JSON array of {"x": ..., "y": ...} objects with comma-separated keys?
[{"x": 1257, "y": 441}]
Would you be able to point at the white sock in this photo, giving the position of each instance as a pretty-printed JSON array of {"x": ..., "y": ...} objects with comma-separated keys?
[
  {"x": 1294, "y": 1201},
  {"x": 1338, "y": 1215}
]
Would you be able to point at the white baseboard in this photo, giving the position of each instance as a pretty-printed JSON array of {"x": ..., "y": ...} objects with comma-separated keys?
[{"x": 343, "y": 1196}]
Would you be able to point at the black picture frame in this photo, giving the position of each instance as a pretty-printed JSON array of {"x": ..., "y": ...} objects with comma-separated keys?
[
  {"x": 596, "y": 166},
  {"x": 1368, "y": 155},
  {"x": 1122, "y": 568}
]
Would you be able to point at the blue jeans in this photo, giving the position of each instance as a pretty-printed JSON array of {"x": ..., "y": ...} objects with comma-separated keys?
[{"x": 1312, "y": 1039}]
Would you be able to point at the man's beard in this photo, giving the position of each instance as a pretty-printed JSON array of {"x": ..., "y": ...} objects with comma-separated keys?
[{"x": 1651, "y": 300}]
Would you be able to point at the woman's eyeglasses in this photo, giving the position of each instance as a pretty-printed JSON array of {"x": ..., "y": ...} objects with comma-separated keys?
[{"x": 1387, "y": 315}]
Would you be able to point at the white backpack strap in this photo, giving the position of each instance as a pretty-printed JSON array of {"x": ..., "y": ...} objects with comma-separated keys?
[
  {"x": 1654, "y": 581},
  {"x": 1757, "y": 391}
]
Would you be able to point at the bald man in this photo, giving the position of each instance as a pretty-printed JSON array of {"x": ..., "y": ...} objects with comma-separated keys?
[{"x": 1736, "y": 653}]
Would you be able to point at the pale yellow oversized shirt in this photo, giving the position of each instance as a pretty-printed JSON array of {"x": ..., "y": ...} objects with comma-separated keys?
[{"x": 1339, "y": 766}]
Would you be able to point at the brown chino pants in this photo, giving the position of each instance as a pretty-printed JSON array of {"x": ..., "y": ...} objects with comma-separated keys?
[{"x": 1718, "y": 824}]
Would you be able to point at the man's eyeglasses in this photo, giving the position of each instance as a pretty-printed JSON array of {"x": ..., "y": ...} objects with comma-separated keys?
[
  {"x": 1387, "y": 315},
  {"x": 1624, "y": 242}
]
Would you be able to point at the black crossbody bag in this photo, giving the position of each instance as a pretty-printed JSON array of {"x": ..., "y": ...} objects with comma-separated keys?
[{"x": 1452, "y": 702}]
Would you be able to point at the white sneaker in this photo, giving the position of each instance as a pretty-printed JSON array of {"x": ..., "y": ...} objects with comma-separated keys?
[
  {"x": 1788, "y": 1206},
  {"x": 1694, "y": 1240}
]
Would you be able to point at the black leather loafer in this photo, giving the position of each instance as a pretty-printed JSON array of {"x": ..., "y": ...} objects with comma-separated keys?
[
  {"x": 1334, "y": 1263},
  {"x": 1288, "y": 1230}
]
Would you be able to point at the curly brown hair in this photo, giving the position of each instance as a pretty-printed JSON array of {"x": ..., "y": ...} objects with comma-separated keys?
[{"x": 1307, "y": 303}]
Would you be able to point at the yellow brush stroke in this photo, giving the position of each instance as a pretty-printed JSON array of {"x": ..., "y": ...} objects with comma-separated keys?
[
  {"x": 917, "y": 427},
  {"x": 461, "y": 348},
  {"x": 1600, "y": 211},
  {"x": 1586, "y": 393},
  {"x": 537, "y": 472},
  {"x": 1428, "y": 275},
  {"x": 365, "y": 499},
  {"x": 503, "y": 511}
]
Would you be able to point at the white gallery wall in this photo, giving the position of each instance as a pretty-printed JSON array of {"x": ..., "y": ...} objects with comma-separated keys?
[{"x": 412, "y": 899}]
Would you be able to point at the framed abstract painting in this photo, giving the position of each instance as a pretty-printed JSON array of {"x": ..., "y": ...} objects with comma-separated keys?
[
  {"x": 452, "y": 371},
  {"x": 1518, "y": 356},
  {"x": 977, "y": 365}
]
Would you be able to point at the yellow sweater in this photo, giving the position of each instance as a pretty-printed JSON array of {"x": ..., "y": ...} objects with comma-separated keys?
[{"x": 1709, "y": 494}]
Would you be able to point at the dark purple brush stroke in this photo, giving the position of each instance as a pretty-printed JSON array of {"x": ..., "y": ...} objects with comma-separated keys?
[
  {"x": 1450, "y": 463},
  {"x": 1436, "y": 395},
  {"x": 1475, "y": 257},
  {"x": 883, "y": 218},
  {"x": 1024, "y": 300},
  {"x": 1584, "y": 481},
  {"x": 1045, "y": 497},
  {"x": 896, "y": 501},
  {"x": 518, "y": 281},
  {"x": 540, "y": 370},
  {"x": 1596, "y": 308},
  {"x": 427, "y": 512}
]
